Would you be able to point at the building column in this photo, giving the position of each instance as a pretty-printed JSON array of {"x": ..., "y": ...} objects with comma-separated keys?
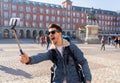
[
  {"x": 10, "y": 33},
  {"x": 24, "y": 34}
]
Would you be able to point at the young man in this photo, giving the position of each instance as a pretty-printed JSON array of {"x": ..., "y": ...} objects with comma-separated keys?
[{"x": 65, "y": 68}]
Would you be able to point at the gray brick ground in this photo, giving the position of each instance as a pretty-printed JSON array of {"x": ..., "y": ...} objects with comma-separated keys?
[{"x": 104, "y": 65}]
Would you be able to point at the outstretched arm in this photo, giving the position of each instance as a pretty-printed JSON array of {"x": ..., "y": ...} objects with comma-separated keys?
[{"x": 25, "y": 59}]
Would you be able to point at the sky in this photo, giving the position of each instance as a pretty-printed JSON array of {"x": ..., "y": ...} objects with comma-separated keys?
[{"x": 112, "y": 5}]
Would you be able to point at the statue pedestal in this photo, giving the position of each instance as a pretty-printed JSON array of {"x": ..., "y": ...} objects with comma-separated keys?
[{"x": 92, "y": 34}]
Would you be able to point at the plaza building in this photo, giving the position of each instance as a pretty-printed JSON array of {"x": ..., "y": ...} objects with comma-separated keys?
[{"x": 35, "y": 17}]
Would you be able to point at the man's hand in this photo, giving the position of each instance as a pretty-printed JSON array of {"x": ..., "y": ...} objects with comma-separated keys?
[
  {"x": 24, "y": 58},
  {"x": 88, "y": 82}
]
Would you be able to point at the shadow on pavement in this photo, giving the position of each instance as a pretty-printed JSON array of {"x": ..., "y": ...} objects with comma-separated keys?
[{"x": 15, "y": 72}]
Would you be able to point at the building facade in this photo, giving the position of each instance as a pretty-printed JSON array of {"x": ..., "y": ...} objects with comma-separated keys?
[{"x": 36, "y": 16}]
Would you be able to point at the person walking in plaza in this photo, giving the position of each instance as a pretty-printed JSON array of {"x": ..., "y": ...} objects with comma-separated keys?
[
  {"x": 103, "y": 43},
  {"x": 64, "y": 67},
  {"x": 116, "y": 42},
  {"x": 43, "y": 41},
  {"x": 47, "y": 41},
  {"x": 119, "y": 41}
]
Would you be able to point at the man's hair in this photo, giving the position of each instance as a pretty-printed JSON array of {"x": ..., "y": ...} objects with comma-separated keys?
[{"x": 57, "y": 27}]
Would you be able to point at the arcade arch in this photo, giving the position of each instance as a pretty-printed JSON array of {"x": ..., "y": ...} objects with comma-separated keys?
[{"x": 6, "y": 33}]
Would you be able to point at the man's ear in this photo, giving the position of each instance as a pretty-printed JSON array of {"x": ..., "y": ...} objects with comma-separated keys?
[{"x": 60, "y": 33}]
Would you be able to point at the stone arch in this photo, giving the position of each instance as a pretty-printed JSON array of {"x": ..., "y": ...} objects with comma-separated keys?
[
  {"x": 46, "y": 32},
  {"x": 73, "y": 34},
  {"x": 41, "y": 33},
  {"x": 28, "y": 34},
  {"x": 21, "y": 34},
  {"x": 6, "y": 33},
  {"x": 13, "y": 34},
  {"x": 63, "y": 32},
  {"x": 34, "y": 34},
  {"x": 68, "y": 33}
]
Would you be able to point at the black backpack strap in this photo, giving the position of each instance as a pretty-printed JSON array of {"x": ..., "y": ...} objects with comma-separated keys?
[
  {"x": 54, "y": 56},
  {"x": 70, "y": 53},
  {"x": 54, "y": 60}
]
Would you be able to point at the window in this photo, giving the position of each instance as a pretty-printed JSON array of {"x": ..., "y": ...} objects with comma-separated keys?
[
  {"x": 28, "y": 9},
  {"x": 68, "y": 26},
  {"x": 63, "y": 19},
  {"x": 53, "y": 12},
  {"x": 73, "y": 14},
  {"x": 41, "y": 17},
  {"x": 74, "y": 20},
  {"x": 58, "y": 19},
  {"x": 47, "y": 11},
  {"x": 5, "y": 6},
  {"x": 21, "y": 23},
  {"x": 21, "y": 8},
  {"x": 68, "y": 20},
  {"x": 68, "y": 13},
  {"x": 41, "y": 11},
  {"x": 5, "y": 0},
  {"x": 63, "y": 25},
  {"x": 6, "y": 22},
  {"x": 41, "y": 25},
  {"x": 13, "y": 14},
  {"x": 58, "y": 12},
  {"x": 34, "y": 10},
  {"x": 34, "y": 17},
  {"x": 28, "y": 17},
  {"x": 82, "y": 15},
  {"x": 27, "y": 24},
  {"x": 47, "y": 24},
  {"x": 73, "y": 26},
  {"x": 63, "y": 13},
  {"x": 6, "y": 15},
  {"x": 34, "y": 24},
  {"x": 69, "y": 7},
  {"x": 14, "y": 8},
  {"x": 82, "y": 21},
  {"x": 21, "y": 15},
  {"x": 79, "y": 15},
  {"x": 47, "y": 18},
  {"x": 53, "y": 19}
]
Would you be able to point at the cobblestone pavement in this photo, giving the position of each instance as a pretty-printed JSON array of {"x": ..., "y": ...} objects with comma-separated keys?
[{"x": 104, "y": 65}]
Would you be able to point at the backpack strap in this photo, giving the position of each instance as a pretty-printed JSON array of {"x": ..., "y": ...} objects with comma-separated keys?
[
  {"x": 70, "y": 53},
  {"x": 54, "y": 56},
  {"x": 54, "y": 60}
]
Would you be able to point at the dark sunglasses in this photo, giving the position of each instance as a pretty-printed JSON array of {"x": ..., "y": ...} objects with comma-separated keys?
[{"x": 52, "y": 32}]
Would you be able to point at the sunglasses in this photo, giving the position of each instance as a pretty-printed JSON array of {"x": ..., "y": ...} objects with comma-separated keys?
[{"x": 52, "y": 32}]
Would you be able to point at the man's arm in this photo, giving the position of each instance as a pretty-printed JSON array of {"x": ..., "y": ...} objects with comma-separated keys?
[{"x": 25, "y": 59}]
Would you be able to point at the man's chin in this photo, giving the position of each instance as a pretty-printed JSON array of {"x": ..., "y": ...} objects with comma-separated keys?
[{"x": 53, "y": 42}]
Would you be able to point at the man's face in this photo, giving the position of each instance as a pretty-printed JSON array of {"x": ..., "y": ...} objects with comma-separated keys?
[{"x": 54, "y": 35}]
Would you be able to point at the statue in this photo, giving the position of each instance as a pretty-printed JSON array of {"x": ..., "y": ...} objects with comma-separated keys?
[
  {"x": 92, "y": 19},
  {"x": 92, "y": 28}
]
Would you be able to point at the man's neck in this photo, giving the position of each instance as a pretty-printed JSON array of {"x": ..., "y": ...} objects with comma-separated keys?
[{"x": 60, "y": 43}]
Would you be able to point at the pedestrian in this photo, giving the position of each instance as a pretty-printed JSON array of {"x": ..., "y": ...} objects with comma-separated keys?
[
  {"x": 119, "y": 41},
  {"x": 65, "y": 69},
  {"x": 38, "y": 39},
  {"x": 47, "y": 41},
  {"x": 116, "y": 42},
  {"x": 43, "y": 40},
  {"x": 103, "y": 43}
]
